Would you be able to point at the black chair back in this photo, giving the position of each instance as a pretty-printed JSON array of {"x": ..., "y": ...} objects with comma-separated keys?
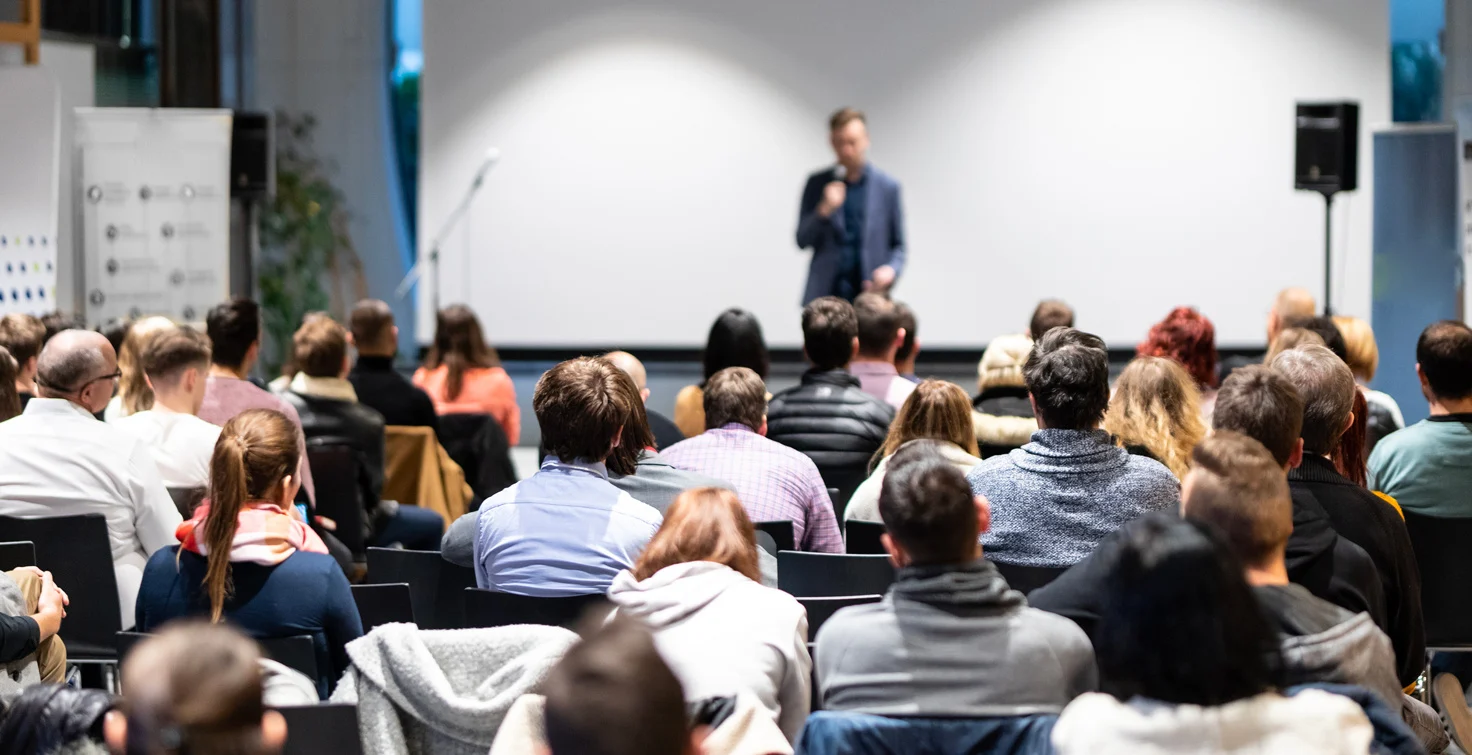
[
  {"x": 14, "y": 555},
  {"x": 488, "y": 608},
  {"x": 186, "y": 499},
  {"x": 77, "y": 552},
  {"x": 1025, "y": 579},
  {"x": 825, "y": 575},
  {"x": 862, "y": 538},
  {"x": 317, "y": 729},
  {"x": 1440, "y": 545},
  {"x": 820, "y": 610},
  {"x": 479, "y": 445},
  {"x": 126, "y": 641},
  {"x": 297, "y": 652},
  {"x": 782, "y": 532},
  {"x": 842, "y": 481},
  {"x": 335, "y": 476},
  {"x": 383, "y": 604},
  {"x": 435, "y": 585},
  {"x": 766, "y": 543}
]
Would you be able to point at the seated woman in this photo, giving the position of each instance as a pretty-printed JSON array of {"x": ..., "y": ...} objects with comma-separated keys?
[
  {"x": 1190, "y": 664},
  {"x": 936, "y": 411},
  {"x": 462, "y": 375},
  {"x": 735, "y": 340},
  {"x": 1002, "y": 414},
  {"x": 696, "y": 586},
  {"x": 1189, "y": 339},
  {"x": 245, "y": 559},
  {"x": 1156, "y": 412}
]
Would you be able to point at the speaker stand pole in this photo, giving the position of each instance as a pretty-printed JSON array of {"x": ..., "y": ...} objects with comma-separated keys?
[{"x": 1328, "y": 253}]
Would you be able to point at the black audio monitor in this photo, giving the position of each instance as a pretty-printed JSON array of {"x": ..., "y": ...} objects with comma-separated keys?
[
  {"x": 253, "y": 157},
  {"x": 1328, "y": 144}
]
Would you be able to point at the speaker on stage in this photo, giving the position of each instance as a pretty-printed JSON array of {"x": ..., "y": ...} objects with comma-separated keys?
[
  {"x": 1328, "y": 144},
  {"x": 253, "y": 157}
]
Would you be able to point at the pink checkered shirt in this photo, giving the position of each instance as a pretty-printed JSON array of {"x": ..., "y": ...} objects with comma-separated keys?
[{"x": 773, "y": 481}]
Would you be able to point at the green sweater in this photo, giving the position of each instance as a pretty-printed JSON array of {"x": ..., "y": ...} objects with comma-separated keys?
[{"x": 1427, "y": 467}]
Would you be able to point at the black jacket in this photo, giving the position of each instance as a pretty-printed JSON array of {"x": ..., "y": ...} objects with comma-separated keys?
[
  {"x": 832, "y": 420},
  {"x": 1001, "y": 401},
  {"x": 1372, "y": 524},
  {"x": 383, "y": 389},
  {"x": 334, "y": 421},
  {"x": 19, "y": 636}
]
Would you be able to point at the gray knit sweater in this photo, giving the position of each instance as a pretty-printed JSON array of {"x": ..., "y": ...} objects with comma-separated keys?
[{"x": 1055, "y": 498}]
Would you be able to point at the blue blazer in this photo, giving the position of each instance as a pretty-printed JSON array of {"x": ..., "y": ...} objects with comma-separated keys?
[{"x": 883, "y": 239}]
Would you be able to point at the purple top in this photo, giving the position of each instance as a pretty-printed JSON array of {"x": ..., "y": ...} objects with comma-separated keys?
[
  {"x": 882, "y": 381},
  {"x": 226, "y": 397}
]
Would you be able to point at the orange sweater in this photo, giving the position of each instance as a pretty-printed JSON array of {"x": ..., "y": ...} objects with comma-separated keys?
[{"x": 484, "y": 390}]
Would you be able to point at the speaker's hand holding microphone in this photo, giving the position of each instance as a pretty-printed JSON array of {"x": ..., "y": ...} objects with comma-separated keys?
[{"x": 834, "y": 193}]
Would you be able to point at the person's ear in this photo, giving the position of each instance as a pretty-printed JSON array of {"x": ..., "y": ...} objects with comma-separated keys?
[
  {"x": 394, "y": 329},
  {"x": 853, "y": 352},
  {"x": 696, "y": 745},
  {"x": 30, "y": 366},
  {"x": 273, "y": 731},
  {"x": 983, "y": 515},
  {"x": 897, "y": 555},
  {"x": 618, "y": 437},
  {"x": 1348, "y": 423},
  {"x": 643, "y": 395},
  {"x": 762, "y": 431},
  {"x": 899, "y": 338},
  {"x": 288, "y": 490},
  {"x": 1295, "y": 457},
  {"x": 115, "y": 730},
  {"x": 347, "y": 365},
  {"x": 149, "y": 382},
  {"x": 353, "y": 342}
]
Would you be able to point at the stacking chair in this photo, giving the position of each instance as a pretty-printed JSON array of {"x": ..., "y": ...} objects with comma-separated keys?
[
  {"x": 317, "y": 729},
  {"x": 1440, "y": 544},
  {"x": 435, "y": 585},
  {"x": 383, "y": 604},
  {"x": 335, "y": 475},
  {"x": 14, "y": 555},
  {"x": 862, "y": 538},
  {"x": 823, "y": 575},
  {"x": 299, "y": 653},
  {"x": 782, "y": 532},
  {"x": 1025, "y": 579},
  {"x": 487, "y": 608},
  {"x": 820, "y": 610}
]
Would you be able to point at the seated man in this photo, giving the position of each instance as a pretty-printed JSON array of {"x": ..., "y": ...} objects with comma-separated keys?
[
  {"x": 566, "y": 530},
  {"x": 379, "y": 386},
  {"x": 329, "y": 411},
  {"x": 176, "y": 363},
  {"x": 880, "y": 339},
  {"x": 1058, "y": 496},
  {"x": 909, "y": 351},
  {"x": 950, "y": 638},
  {"x": 1049, "y": 314},
  {"x": 773, "y": 481},
  {"x": 28, "y": 625},
  {"x": 56, "y": 459},
  {"x": 23, "y": 335},
  {"x": 666, "y": 434}
]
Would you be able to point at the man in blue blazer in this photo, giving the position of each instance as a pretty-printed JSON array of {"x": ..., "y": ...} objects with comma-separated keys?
[{"x": 851, "y": 218}]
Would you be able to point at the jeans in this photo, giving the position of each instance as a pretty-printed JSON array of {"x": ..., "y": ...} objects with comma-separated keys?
[{"x": 412, "y": 527}]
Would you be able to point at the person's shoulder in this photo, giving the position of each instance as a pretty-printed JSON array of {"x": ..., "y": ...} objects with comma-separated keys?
[
  {"x": 855, "y": 624},
  {"x": 1058, "y": 632},
  {"x": 989, "y": 468},
  {"x": 314, "y": 563},
  {"x": 1150, "y": 471},
  {"x": 636, "y": 509}
]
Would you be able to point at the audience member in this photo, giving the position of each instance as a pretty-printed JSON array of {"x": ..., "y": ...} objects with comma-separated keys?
[
  {"x": 56, "y": 719},
  {"x": 463, "y": 375},
  {"x": 56, "y": 322},
  {"x": 666, "y": 434},
  {"x": 1364, "y": 360},
  {"x": 828, "y": 416},
  {"x": 195, "y": 688},
  {"x": 23, "y": 336},
  {"x": 773, "y": 481},
  {"x": 880, "y": 338},
  {"x": 1002, "y": 412},
  {"x": 1350, "y": 457},
  {"x": 329, "y": 409},
  {"x": 1323, "y": 326},
  {"x": 1186, "y": 337},
  {"x": 566, "y": 530},
  {"x": 234, "y": 329},
  {"x": 379, "y": 386},
  {"x": 133, "y": 394},
  {"x": 1049, "y": 314},
  {"x": 904, "y": 359},
  {"x": 10, "y": 401},
  {"x": 735, "y": 340},
  {"x": 1206, "y": 678},
  {"x": 1427, "y": 467},
  {"x": 31, "y": 610},
  {"x": 697, "y": 586},
  {"x": 1291, "y": 304},
  {"x": 1327, "y": 387},
  {"x": 936, "y": 411},
  {"x": 56, "y": 459},
  {"x": 1156, "y": 412},
  {"x": 1059, "y": 495},
  {"x": 176, "y": 364},
  {"x": 1291, "y": 338},
  {"x": 950, "y": 638},
  {"x": 246, "y": 556}
]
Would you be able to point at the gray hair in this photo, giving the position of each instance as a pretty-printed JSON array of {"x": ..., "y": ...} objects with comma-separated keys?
[
  {"x": 67, "y": 361},
  {"x": 1327, "y": 387}
]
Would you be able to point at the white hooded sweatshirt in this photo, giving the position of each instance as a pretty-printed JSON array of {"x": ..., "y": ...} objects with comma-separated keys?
[{"x": 722, "y": 633}]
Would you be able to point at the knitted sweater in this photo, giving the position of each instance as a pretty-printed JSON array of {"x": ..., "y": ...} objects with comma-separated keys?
[{"x": 1055, "y": 498}]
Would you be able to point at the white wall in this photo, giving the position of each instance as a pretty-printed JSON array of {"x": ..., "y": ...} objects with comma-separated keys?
[{"x": 1126, "y": 155}]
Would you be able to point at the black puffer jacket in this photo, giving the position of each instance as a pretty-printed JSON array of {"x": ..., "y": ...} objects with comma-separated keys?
[
  {"x": 329, "y": 421},
  {"x": 832, "y": 420}
]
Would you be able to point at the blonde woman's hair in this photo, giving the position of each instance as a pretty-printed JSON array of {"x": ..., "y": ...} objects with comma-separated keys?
[
  {"x": 1157, "y": 405},
  {"x": 133, "y": 385},
  {"x": 937, "y": 410},
  {"x": 1362, "y": 354},
  {"x": 1289, "y": 339},
  {"x": 1001, "y": 363}
]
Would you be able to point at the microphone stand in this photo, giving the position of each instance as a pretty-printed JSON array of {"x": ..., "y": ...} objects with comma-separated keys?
[{"x": 453, "y": 220}]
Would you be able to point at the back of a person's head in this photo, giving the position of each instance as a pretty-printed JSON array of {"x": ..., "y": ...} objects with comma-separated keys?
[
  {"x": 319, "y": 348},
  {"x": 703, "y": 524},
  {"x": 233, "y": 327},
  {"x": 22, "y": 335},
  {"x": 56, "y": 322},
  {"x": 9, "y": 397},
  {"x": 928, "y": 508},
  {"x": 735, "y": 394},
  {"x": 1262, "y": 404},
  {"x": 580, "y": 407},
  {"x": 637, "y": 435},
  {"x": 631, "y": 366},
  {"x": 459, "y": 345},
  {"x": 68, "y": 360},
  {"x": 1049, "y": 314},
  {"x": 1179, "y": 623},
  {"x": 935, "y": 409},
  {"x": 133, "y": 386},
  {"x": 1444, "y": 353},
  {"x": 736, "y": 340},
  {"x": 196, "y": 688},
  {"x": 1325, "y": 328},
  {"x": 1157, "y": 405},
  {"x": 1002, "y": 362},
  {"x": 1327, "y": 388},
  {"x": 1187, "y": 337},
  {"x": 256, "y": 453},
  {"x": 1238, "y": 487},
  {"x": 1067, "y": 374},
  {"x": 879, "y": 324},
  {"x": 911, "y": 325},
  {"x": 1292, "y": 338},
  {"x": 612, "y": 694},
  {"x": 830, "y": 329},
  {"x": 169, "y": 354},
  {"x": 1294, "y": 303},
  {"x": 372, "y": 324},
  {"x": 1360, "y": 350}
]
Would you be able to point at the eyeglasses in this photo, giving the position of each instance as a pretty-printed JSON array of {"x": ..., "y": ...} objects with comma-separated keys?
[{"x": 114, "y": 377}]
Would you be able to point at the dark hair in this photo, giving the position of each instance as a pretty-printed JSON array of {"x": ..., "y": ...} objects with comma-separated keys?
[
  {"x": 928, "y": 508},
  {"x": 1263, "y": 405},
  {"x": 735, "y": 394},
  {"x": 319, "y": 348},
  {"x": 116, "y": 333},
  {"x": 22, "y": 335},
  {"x": 370, "y": 322},
  {"x": 637, "y": 435},
  {"x": 879, "y": 323},
  {"x": 1327, "y": 388},
  {"x": 912, "y": 328},
  {"x": 172, "y": 351},
  {"x": 1179, "y": 623},
  {"x": 1324, "y": 326},
  {"x": 843, "y": 116},
  {"x": 56, "y": 322},
  {"x": 1444, "y": 352},
  {"x": 1239, "y": 488},
  {"x": 735, "y": 340},
  {"x": 9, "y": 396},
  {"x": 460, "y": 345},
  {"x": 1067, "y": 374},
  {"x": 581, "y": 406},
  {"x": 233, "y": 327},
  {"x": 612, "y": 694},
  {"x": 1351, "y": 457},
  {"x": 1049, "y": 314},
  {"x": 194, "y": 688},
  {"x": 829, "y": 327},
  {"x": 1188, "y": 338}
]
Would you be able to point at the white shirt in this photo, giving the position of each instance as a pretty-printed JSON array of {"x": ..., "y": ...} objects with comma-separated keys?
[{"x": 181, "y": 444}]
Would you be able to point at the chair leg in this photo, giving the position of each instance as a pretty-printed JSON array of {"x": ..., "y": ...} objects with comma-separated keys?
[{"x": 1423, "y": 684}]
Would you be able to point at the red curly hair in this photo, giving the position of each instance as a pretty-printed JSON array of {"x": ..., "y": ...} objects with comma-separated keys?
[{"x": 1188, "y": 338}]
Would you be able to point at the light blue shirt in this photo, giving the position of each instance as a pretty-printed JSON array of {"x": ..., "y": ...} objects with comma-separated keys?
[
  {"x": 563, "y": 531},
  {"x": 1427, "y": 467}
]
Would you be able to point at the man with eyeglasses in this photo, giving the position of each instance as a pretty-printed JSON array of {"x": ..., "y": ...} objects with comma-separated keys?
[{"x": 57, "y": 459}]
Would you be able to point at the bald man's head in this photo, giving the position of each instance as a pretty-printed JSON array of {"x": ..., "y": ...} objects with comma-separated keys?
[
  {"x": 631, "y": 366},
  {"x": 74, "y": 365},
  {"x": 1292, "y": 303}
]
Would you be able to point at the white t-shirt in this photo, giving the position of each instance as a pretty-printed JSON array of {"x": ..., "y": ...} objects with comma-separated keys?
[{"x": 181, "y": 444}]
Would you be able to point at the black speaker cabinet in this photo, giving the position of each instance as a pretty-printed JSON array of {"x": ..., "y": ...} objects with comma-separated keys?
[
  {"x": 1328, "y": 143},
  {"x": 253, "y": 157}
]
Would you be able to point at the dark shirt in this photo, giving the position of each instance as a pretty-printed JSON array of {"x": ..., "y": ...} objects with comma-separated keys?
[
  {"x": 850, "y": 281},
  {"x": 400, "y": 402},
  {"x": 666, "y": 433},
  {"x": 25, "y": 398},
  {"x": 1295, "y": 612},
  {"x": 19, "y": 636}
]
